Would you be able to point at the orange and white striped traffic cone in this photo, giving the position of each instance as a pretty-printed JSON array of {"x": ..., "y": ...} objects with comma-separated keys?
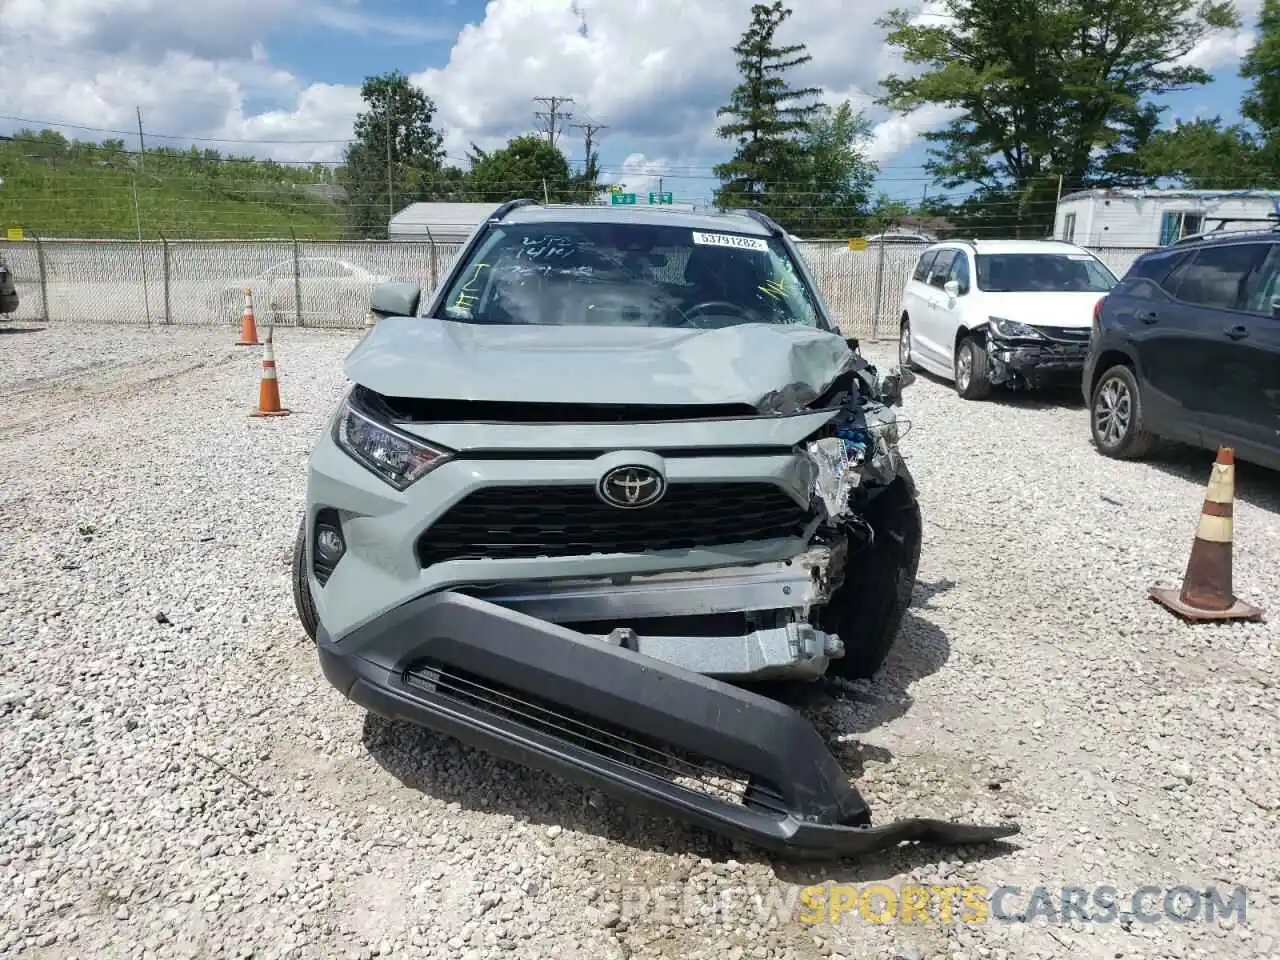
[
  {"x": 269, "y": 386},
  {"x": 1206, "y": 592},
  {"x": 248, "y": 326}
]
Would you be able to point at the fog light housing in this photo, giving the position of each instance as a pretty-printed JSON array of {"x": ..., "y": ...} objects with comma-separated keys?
[{"x": 328, "y": 545}]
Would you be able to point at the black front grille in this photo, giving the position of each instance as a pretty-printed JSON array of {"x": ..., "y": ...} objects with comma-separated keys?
[{"x": 507, "y": 523}]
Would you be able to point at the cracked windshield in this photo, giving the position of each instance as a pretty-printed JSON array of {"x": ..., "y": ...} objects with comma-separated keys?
[{"x": 628, "y": 275}]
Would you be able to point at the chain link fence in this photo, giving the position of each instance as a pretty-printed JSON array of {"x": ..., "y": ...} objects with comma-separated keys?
[{"x": 327, "y": 283}]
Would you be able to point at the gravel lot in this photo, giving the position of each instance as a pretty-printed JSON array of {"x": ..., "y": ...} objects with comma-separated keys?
[{"x": 177, "y": 778}]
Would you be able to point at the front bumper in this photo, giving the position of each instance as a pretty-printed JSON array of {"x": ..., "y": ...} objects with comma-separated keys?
[
  {"x": 740, "y": 624},
  {"x": 608, "y": 717},
  {"x": 1036, "y": 364}
]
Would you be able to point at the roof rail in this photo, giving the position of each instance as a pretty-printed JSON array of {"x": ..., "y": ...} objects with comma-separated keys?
[
  {"x": 1220, "y": 232},
  {"x": 764, "y": 220},
  {"x": 507, "y": 207}
]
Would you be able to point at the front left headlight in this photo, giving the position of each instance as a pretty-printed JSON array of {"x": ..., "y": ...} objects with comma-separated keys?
[
  {"x": 1012, "y": 329},
  {"x": 396, "y": 457}
]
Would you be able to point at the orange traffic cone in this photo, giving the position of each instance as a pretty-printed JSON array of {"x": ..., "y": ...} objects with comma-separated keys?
[
  {"x": 248, "y": 327},
  {"x": 1206, "y": 586},
  {"x": 269, "y": 386}
]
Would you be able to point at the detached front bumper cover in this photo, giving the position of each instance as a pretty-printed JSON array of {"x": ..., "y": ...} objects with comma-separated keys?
[{"x": 606, "y": 717}]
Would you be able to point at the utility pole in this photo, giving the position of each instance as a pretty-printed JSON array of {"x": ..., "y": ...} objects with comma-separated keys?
[
  {"x": 391, "y": 204},
  {"x": 552, "y": 114},
  {"x": 589, "y": 131},
  {"x": 142, "y": 147}
]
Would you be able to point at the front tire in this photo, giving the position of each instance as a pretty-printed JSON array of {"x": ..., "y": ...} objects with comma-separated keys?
[
  {"x": 972, "y": 372},
  {"x": 303, "y": 602},
  {"x": 1115, "y": 416},
  {"x": 904, "y": 345},
  {"x": 868, "y": 608}
]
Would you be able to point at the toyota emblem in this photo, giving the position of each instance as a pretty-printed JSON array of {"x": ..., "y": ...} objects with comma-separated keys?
[{"x": 632, "y": 487}]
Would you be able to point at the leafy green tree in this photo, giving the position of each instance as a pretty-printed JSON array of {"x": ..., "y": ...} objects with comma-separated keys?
[
  {"x": 528, "y": 166},
  {"x": 831, "y": 193},
  {"x": 769, "y": 120},
  {"x": 1045, "y": 88},
  {"x": 1206, "y": 154},
  {"x": 396, "y": 150},
  {"x": 1261, "y": 104}
]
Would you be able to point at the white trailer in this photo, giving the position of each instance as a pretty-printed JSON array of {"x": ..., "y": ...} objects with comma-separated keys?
[{"x": 1157, "y": 218}]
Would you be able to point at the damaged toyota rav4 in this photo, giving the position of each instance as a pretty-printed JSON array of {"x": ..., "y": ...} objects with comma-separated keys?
[{"x": 618, "y": 469}]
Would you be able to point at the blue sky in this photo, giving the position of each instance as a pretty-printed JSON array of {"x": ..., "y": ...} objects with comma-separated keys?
[{"x": 281, "y": 77}]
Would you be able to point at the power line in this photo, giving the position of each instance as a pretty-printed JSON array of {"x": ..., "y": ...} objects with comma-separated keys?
[{"x": 552, "y": 114}]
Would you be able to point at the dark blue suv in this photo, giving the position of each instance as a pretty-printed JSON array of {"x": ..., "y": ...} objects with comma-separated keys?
[{"x": 1187, "y": 348}]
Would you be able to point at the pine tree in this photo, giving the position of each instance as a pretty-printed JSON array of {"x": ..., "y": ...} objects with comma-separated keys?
[{"x": 768, "y": 119}]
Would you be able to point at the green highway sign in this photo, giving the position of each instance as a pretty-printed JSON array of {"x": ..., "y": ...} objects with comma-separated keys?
[
  {"x": 660, "y": 198},
  {"x": 620, "y": 199}
]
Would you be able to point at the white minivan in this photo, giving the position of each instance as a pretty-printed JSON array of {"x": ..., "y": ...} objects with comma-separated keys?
[{"x": 984, "y": 313}]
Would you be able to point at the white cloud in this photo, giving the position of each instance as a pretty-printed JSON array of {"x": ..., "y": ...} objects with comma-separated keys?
[
  {"x": 897, "y": 133},
  {"x": 641, "y": 175},
  {"x": 1223, "y": 48},
  {"x": 196, "y": 69},
  {"x": 654, "y": 71}
]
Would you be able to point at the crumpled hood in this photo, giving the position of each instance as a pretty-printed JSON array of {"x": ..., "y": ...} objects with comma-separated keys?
[{"x": 774, "y": 368}]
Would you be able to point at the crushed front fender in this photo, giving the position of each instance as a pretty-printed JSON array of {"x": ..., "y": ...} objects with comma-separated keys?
[{"x": 603, "y": 716}]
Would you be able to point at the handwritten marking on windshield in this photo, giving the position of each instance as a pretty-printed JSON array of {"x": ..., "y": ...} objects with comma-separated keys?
[
  {"x": 545, "y": 248},
  {"x": 466, "y": 298}
]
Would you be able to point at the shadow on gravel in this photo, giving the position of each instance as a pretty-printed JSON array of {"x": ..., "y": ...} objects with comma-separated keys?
[
  {"x": 4, "y": 330},
  {"x": 1047, "y": 398},
  {"x": 453, "y": 772},
  {"x": 1255, "y": 485}
]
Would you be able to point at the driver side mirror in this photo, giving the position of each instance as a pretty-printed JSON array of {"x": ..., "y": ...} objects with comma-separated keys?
[
  {"x": 951, "y": 288},
  {"x": 395, "y": 299}
]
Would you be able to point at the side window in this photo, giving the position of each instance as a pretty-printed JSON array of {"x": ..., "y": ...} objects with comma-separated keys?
[
  {"x": 1215, "y": 276},
  {"x": 1155, "y": 275},
  {"x": 1262, "y": 288},
  {"x": 941, "y": 267},
  {"x": 1069, "y": 227},
  {"x": 960, "y": 271},
  {"x": 923, "y": 266},
  {"x": 1156, "y": 267}
]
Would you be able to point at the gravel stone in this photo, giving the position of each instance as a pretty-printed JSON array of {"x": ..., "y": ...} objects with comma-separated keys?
[{"x": 177, "y": 779}]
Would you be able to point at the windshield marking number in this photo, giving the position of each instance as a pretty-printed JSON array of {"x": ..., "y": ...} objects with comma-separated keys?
[{"x": 730, "y": 240}]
